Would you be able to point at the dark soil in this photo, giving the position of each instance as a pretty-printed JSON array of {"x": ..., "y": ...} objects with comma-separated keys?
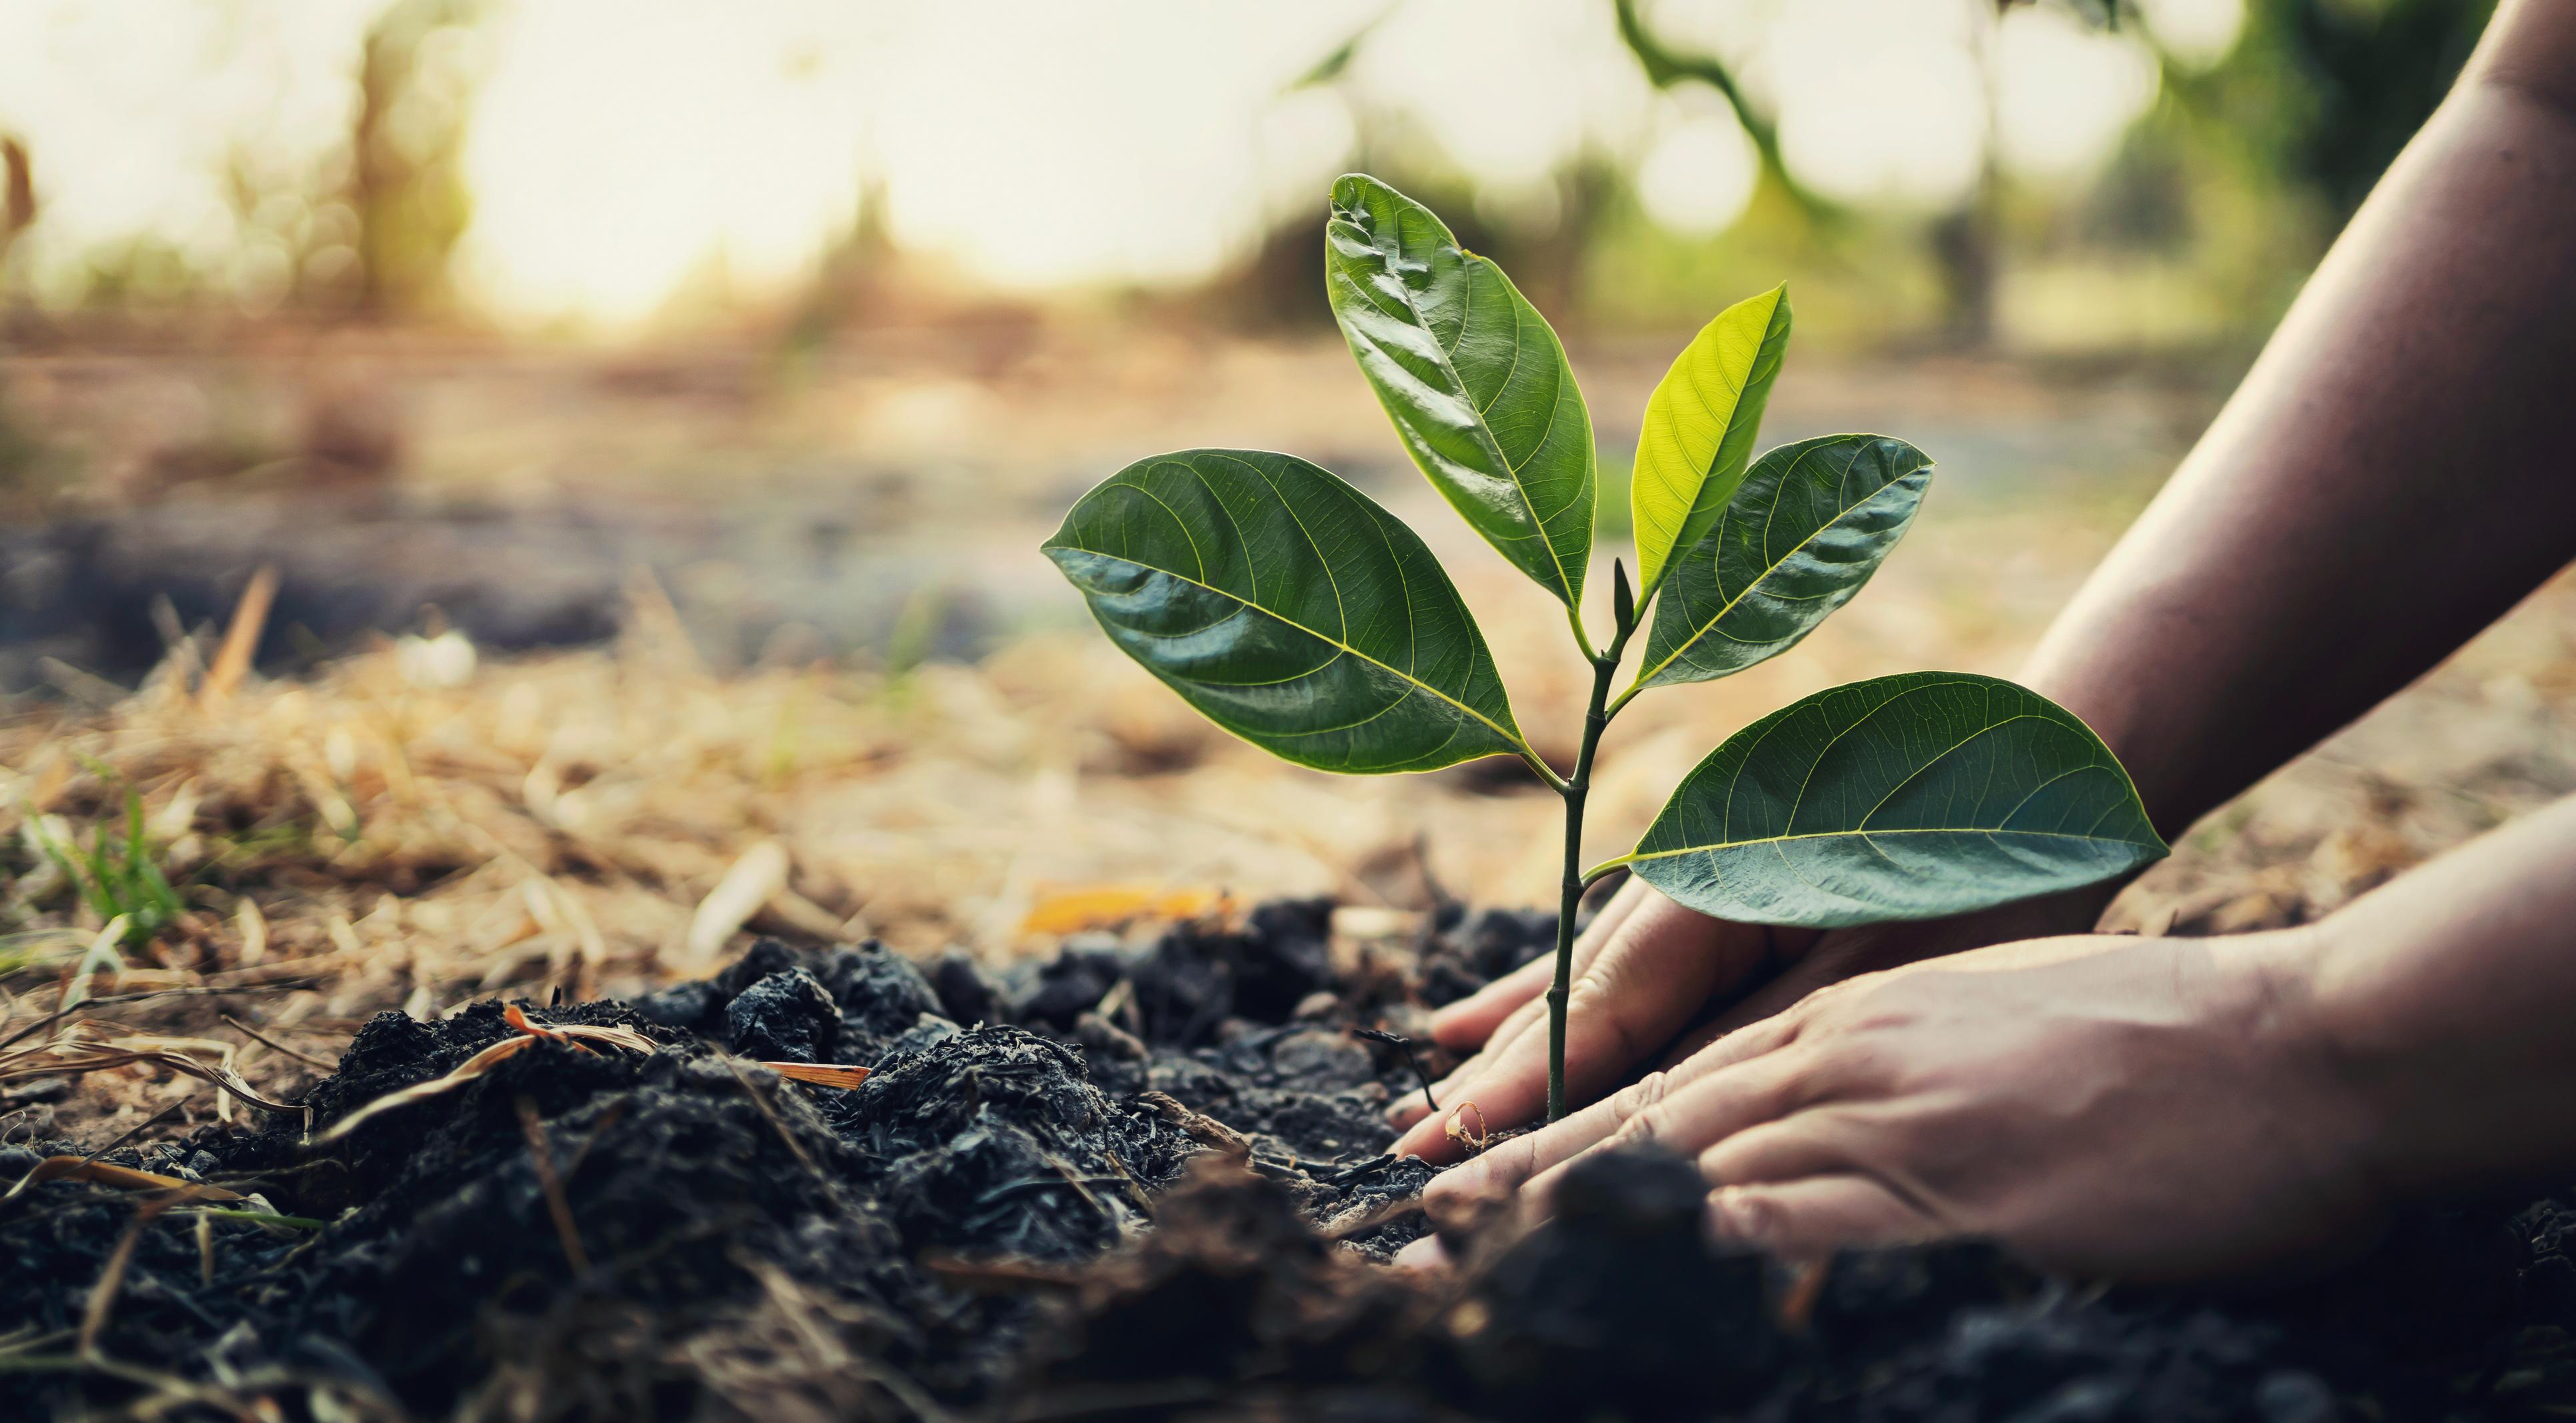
[{"x": 1132, "y": 1184}]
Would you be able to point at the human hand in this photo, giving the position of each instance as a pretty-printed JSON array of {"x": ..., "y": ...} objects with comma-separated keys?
[
  {"x": 2139, "y": 1108},
  {"x": 1653, "y": 978}
]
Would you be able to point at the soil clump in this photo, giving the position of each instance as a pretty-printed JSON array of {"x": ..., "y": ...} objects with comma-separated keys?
[{"x": 1121, "y": 1182}]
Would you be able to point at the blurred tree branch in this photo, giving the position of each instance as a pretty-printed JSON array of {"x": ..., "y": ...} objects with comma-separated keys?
[{"x": 1667, "y": 67}]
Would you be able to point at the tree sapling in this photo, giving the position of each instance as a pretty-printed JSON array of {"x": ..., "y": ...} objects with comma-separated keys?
[{"x": 1293, "y": 611}]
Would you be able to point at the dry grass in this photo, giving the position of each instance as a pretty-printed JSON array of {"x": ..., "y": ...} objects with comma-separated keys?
[{"x": 409, "y": 829}]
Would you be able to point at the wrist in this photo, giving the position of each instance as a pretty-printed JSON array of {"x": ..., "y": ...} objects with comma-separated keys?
[{"x": 2297, "y": 1016}]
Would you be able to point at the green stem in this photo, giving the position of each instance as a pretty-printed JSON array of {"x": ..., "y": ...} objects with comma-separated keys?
[
  {"x": 1582, "y": 639},
  {"x": 1539, "y": 767},
  {"x": 1596, "y": 718}
]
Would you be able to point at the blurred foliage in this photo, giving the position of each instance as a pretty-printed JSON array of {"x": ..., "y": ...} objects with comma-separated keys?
[
  {"x": 119, "y": 876},
  {"x": 2323, "y": 93},
  {"x": 2195, "y": 235},
  {"x": 415, "y": 88}
]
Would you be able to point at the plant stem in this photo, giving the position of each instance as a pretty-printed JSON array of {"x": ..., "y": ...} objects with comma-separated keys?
[{"x": 1596, "y": 718}]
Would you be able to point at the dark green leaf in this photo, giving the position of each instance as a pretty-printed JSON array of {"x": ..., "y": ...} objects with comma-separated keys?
[
  {"x": 1805, "y": 530},
  {"x": 1903, "y": 797},
  {"x": 1290, "y": 609},
  {"x": 1472, "y": 376}
]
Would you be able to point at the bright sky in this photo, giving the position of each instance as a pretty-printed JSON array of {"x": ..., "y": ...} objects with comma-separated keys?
[{"x": 621, "y": 148}]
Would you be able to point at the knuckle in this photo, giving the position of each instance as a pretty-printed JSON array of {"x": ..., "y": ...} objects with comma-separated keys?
[
  {"x": 1588, "y": 990},
  {"x": 1649, "y": 1124},
  {"x": 1640, "y": 1095},
  {"x": 1598, "y": 999}
]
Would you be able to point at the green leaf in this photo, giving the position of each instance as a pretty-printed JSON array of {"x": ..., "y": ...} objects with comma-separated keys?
[
  {"x": 1904, "y": 797},
  {"x": 1471, "y": 374},
  {"x": 1290, "y": 609},
  {"x": 1805, "y": 530},
  {"x": 1699, "y": 428}
]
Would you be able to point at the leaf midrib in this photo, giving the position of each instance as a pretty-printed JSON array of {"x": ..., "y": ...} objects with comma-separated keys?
[
  {"x": 1493, "y": 445},
  {"x": 1498, "y": 729},
  {"x": 1703, "y": 629},
  {"x": 1717, "y": 845}
]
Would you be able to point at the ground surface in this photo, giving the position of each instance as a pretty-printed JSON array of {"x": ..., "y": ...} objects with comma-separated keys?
[{"x": 428, "y": 827}]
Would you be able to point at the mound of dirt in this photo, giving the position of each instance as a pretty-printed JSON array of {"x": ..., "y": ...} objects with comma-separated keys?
[{"x": 1119, "y": 1183}]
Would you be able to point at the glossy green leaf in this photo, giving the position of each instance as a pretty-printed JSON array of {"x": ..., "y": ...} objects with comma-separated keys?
[
  {"x": 1904, "y": 797},
  {"x": 1290, "y": 609},
  {"x": 1699, "y": 428},
  {"x": 1474, "y": 379},
  {"x": 1806, "y": 528}
]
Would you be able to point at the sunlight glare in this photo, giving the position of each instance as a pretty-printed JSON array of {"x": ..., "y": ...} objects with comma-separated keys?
[
  {"x": 1698, "y": 178},
  {"x": 1880, "y": 100},
  {"x": 2064, "y": 94}
]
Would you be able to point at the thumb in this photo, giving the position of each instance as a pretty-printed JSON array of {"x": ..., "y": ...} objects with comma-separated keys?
[{"x": 1812, "y": 1217}]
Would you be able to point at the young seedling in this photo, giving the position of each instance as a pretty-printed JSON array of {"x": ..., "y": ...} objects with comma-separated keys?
[{"x": 1296, "y": 613}]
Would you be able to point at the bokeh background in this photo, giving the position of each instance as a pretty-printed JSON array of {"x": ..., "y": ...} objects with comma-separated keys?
[{"x": 647, "y": 413}]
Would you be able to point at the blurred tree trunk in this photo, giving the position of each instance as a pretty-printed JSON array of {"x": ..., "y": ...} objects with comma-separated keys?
[
  {"x": 1968, "y": 243},
  {"x": 17, "y": 212},
  {"x": 406, "y": 141}
]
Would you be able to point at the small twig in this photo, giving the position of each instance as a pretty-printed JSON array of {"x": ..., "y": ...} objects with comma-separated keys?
[
  {"x": 556, "y": 1204},
  {"x": 1412, "y": 1059},
  {"x": 193, "y": 990},
  {"x": 121, "y": 1139},
  {"x": 102, "y": 1296},
  {"x": 1343, "y": 1176},
  {"x": 1806, "y": 1286},
  {"x": 1456, "y": 1129},
  {"x": 616, "y": 1112},
  {"x": 1362, "y": 1218},
  {"x": 290, "y": 1222},
  {"x": 241, "y": 639},
  {"x": 264, "y": 1040},
  {"x": 775, "y": 1123}
]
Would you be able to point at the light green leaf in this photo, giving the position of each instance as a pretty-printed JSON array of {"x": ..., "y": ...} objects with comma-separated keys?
[
  {"x": 1905, "y": 797},
  {"x": 1699, "y": 428},
  {"x": 1290, "y": 609},
  {"x": 1806, "y": 528},
  {"x": 1474, "y": 379}
]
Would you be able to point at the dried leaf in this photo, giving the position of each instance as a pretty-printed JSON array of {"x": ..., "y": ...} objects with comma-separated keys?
[
  {"x": 821, "y": 1074},
  {"x": 71, "y": 1054},
  {"x": 466, "y": 1071},
  {"x": 1071, "y": 911},
  {"x": 753, "y": 879},
  {"x": 576, "y": 1034},
  {"x": 124, "y": 1178}
]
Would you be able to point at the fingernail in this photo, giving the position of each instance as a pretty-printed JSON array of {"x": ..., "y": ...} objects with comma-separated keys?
[{"x": 1423, "y": 1254}]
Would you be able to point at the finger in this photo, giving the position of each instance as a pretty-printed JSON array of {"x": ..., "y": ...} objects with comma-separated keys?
[
  {"x": 1698, "y": 1115},
  {"x": 1404, "y": 1111},
  {"x": 1815, "y": 1215},
  {"x": 1645, "y": 984},
  {"x": 1472, "y": 1020},
  {"x": 1724, "y": 1042},
  {"x": 1802, "y": 1145},
  {"x": 1425, "y": 1254},
  {"x": 1510, "y": 1165},
  {"x": 1522, "y": 1019},
  {"x": 1524, "y": 988}
]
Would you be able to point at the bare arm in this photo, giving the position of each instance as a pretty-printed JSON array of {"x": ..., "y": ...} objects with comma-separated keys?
[
  {"x": 2395, "y": 472},
  {"x": 2389, "y": 479},
  {"x": 2147, "y": 1108}
]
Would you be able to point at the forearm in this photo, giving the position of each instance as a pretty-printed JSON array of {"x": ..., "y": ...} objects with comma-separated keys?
[
  {"x": 2443, "y": 1002},
  {"x": 2391, "y": 476}
]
